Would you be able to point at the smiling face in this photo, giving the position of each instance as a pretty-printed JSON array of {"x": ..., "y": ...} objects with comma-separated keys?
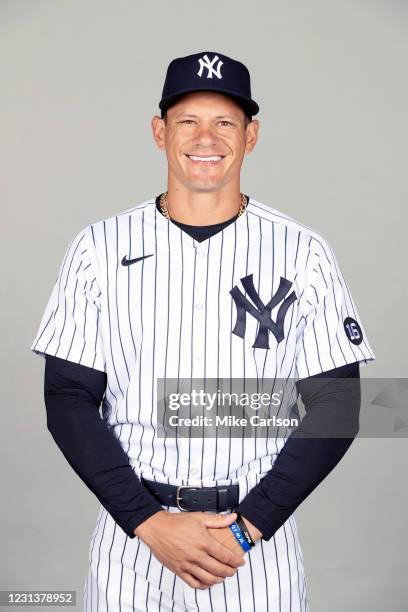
[{"x": 205, "y": 136}]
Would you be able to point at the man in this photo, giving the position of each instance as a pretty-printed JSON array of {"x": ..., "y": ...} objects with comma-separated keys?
[{"x": 201, "y": 281}]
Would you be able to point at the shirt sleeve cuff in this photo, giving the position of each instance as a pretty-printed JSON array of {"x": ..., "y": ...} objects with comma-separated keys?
[
  {"x": 268, "y": 522},
  {"x": 140, "y": 518}
]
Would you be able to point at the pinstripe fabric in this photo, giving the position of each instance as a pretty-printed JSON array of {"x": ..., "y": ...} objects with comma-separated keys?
[{"x": 172, "y": 315}]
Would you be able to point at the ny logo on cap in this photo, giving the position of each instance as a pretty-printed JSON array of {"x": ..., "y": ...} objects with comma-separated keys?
[
  {"x": 261, "y": 311},
  {"x": 205, "y": 63}
]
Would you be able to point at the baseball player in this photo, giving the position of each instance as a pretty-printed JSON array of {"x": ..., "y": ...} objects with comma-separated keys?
[{"x": 198, "y": 282}]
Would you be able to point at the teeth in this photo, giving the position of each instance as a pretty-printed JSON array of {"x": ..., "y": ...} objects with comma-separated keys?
[{"x": 204, "y": 159}]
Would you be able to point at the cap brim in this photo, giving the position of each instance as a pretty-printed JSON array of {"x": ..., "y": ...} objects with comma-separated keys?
[{"x": 250, "y": 107}]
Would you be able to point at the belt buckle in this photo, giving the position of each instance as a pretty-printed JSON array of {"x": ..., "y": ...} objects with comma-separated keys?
[{"x": 178, "y": 495}]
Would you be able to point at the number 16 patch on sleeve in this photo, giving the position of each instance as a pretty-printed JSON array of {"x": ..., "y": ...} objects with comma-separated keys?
[{"x": 353, "y": 330}]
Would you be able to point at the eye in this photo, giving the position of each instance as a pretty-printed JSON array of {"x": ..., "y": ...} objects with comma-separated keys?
[
  {"x": 188, "y": 121},
  {"x": 225, "y": 122}
]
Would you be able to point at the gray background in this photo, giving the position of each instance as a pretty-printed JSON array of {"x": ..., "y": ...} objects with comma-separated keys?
[{"x": 80, "y": 81}]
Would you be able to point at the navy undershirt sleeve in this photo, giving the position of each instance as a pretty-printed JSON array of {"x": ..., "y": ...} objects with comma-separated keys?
[
  {"x": 73, "y": 394},
  {"x": 312, "y": 450}
]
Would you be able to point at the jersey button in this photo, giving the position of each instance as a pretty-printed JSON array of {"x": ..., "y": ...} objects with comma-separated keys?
[
  {"x": 199, "y": 306},
  {"x": 201, "y": 253}
]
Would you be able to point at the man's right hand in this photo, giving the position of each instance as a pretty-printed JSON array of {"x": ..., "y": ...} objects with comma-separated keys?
[{"x": 181, "y": 542}]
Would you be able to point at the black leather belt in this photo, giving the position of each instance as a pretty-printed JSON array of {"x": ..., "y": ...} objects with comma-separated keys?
[{"x": 191, "y": 497}]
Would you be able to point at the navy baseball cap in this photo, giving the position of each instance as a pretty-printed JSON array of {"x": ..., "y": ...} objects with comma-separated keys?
[{"x": 208, "y": 71}]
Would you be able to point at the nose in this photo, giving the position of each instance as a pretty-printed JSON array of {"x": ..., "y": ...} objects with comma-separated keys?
[{"x": 205, "y": 135}]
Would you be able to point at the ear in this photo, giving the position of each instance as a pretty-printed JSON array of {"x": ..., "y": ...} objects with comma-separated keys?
[
  {"x": 159, "y": 130},
  {"x": 252, "y": 135}
]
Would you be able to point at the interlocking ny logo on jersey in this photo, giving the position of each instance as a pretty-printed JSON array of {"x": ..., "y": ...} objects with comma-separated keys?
[
  {"x": 206, "y": 64},
  {"x": 261, "y": 311}
]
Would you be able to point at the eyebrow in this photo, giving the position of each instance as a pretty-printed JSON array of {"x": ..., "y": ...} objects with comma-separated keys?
[{"x": 196, "y": 116}]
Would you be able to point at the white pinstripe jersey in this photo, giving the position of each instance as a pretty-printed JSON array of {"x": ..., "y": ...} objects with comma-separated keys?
[{"x": 171, "y": 314}]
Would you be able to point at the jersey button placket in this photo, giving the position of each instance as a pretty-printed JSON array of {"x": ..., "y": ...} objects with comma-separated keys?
[
  {"x": 199, "y": 308},
  {"x": 199, "y": 313}
]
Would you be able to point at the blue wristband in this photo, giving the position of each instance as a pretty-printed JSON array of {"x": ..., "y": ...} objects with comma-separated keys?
[{"x": 239, "y": 537}]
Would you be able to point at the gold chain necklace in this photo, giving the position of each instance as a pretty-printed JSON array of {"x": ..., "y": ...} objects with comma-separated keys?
[{"x": 164, "y": 209}]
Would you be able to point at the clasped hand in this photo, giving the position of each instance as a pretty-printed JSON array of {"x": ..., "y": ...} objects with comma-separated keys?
[{"x": 197, "y": 546}]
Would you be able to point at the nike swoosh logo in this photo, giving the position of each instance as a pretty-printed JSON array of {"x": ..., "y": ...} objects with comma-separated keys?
[{"x": 128, "y": 262}]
